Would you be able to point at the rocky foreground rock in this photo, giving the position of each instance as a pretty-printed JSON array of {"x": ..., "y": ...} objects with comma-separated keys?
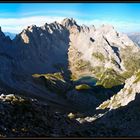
[{"x": 24, "y": 117}]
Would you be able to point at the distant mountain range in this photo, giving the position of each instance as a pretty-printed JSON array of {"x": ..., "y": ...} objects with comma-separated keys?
[
  {"x": 135, "y": 37},
  {"x": 11, "y": 35}
]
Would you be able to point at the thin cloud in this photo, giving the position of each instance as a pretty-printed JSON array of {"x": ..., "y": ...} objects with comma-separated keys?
[
  {"x": 53, "y": 12},
  {"x": 16, "y": 25}
]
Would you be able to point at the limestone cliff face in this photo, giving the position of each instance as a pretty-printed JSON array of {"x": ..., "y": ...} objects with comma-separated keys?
[{"x": 98, "y": 49}]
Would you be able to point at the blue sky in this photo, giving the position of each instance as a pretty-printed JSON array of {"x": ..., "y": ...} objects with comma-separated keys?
[{"x": 125, "y": 17}]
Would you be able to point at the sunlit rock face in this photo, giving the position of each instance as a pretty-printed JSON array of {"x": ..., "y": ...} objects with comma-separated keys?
[
  {"x": 93, "y": 50},
  {"x": 126, "y": 94}
]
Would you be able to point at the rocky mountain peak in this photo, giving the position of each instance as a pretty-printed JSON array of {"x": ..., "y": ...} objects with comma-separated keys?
[
  {"x": 106, "y": 28},
  {"x": 30, "y": 28},
  {"x": 68, "y": 22},
  {"x": 23, "y": 35},
  {"x": 5, "y": 41},
  {"x": 2, "y": 35}
]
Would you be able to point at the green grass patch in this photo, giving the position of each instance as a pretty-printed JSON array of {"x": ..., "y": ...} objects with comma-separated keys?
[
  {"x": 82, "y": 87},
  {"x": 110, "y": 78},
  {"x": 98, "y": 55},
  {"x": 131, "y": 60},
  {"x": 137, "y": 77},
  {"x": 82, "y": 65},
  {"x": 127, "y": 74},
  {"x": 50, "y": 76}
]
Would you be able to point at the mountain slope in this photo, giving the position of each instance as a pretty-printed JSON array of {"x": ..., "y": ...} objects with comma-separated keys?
[{"x": 126, "y": 95}]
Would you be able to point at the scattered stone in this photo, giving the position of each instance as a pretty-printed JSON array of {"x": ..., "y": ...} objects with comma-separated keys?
[{"x": 71, "y": 115}]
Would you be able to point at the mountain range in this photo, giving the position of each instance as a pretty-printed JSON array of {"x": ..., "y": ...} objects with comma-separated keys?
[{"x": 73, "y": 68}]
